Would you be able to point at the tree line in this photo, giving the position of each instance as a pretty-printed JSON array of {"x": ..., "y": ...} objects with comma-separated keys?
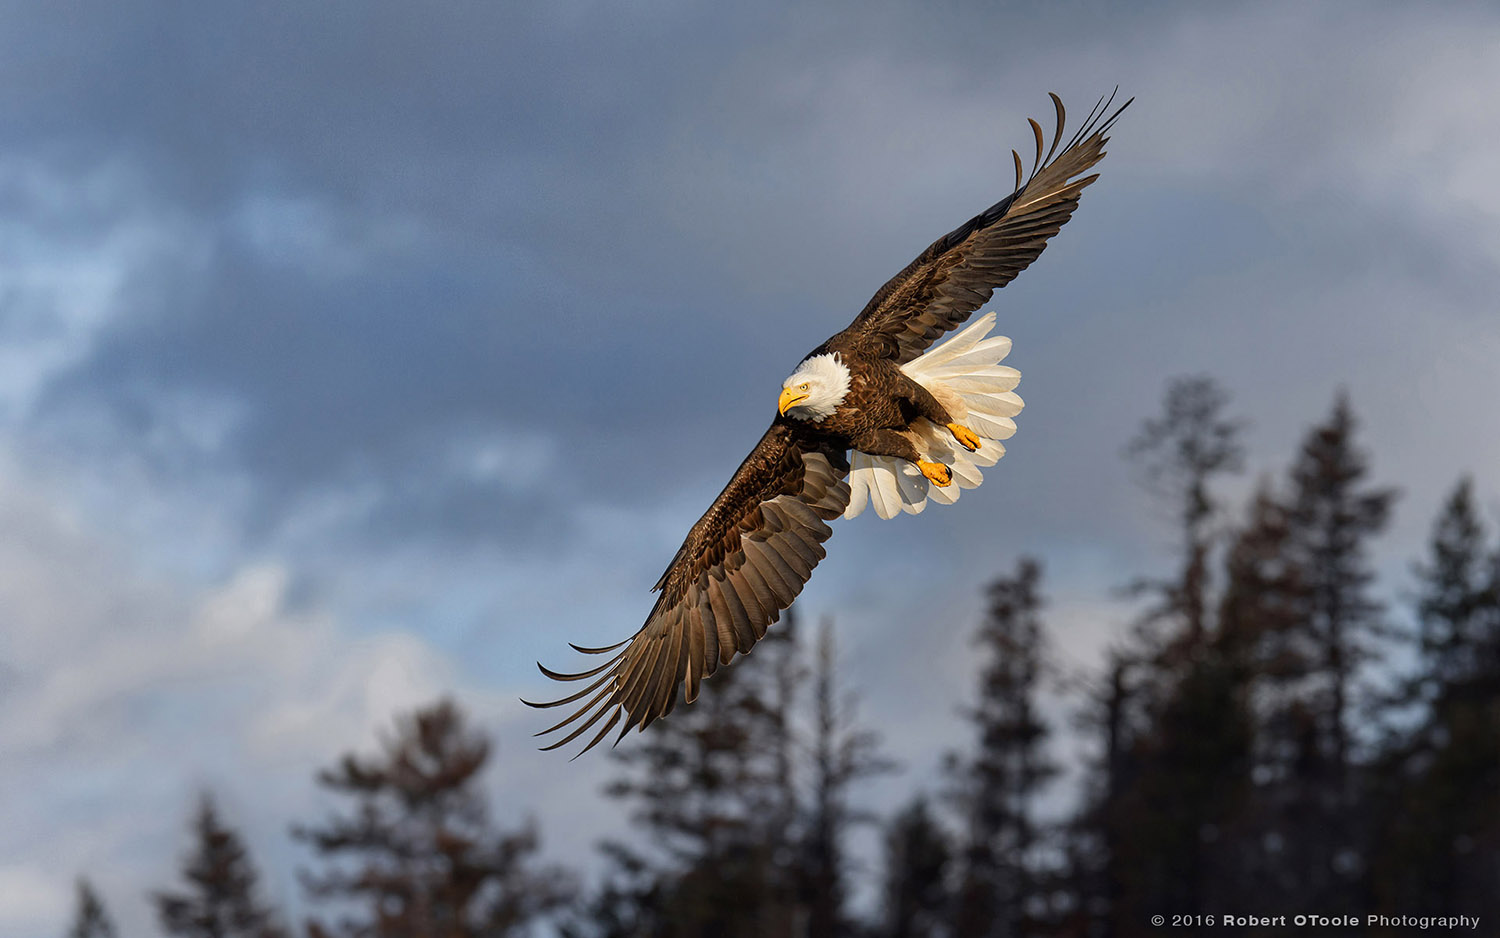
[{"x": 1268, "y": 736}]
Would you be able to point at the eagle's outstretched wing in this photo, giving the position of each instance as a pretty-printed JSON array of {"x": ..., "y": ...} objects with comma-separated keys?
[
  {"x": 744, "y": 561},
  {"x": 956, "y": 275}
]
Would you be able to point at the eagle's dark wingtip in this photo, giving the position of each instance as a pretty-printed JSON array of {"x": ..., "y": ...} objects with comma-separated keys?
[
  {"x": 573, "y": 676},
  {"x": 583, "y": 649},
  {"x": 602, "y": 733},
  {"x": 1062, "y": 117},
  {"x": 1104, "y": 128}
]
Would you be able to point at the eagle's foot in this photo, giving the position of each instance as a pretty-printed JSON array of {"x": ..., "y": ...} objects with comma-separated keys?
[
  {"x": 936, "y": 472},
  {"x": 965, "y": 436}
]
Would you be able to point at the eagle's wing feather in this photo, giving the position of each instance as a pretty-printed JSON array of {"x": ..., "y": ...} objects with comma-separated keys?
[
  {"x": 744, "y": 561},
  {"x": 958, "y": 272}
]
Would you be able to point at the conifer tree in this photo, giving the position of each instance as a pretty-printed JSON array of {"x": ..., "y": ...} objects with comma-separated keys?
[
  {"x": 1264, "y": 652},
  {"x": 916, "y": 902},
  {"x": 1096, "y": 845},
  {"x": 1331, "y": 514},
  {"x": 842, "y": 754},
  {"x": 1174, "y": 732},
  {"x": 709, "y": 786},
  {"x": 1191, "y": 786},
  {"x": 90, "y": 920},
  {"x": 417, "y": 856},
  {"x": 1331, "y": 517},
  {"x": 1182, "y": 454},
  {"x": 1456, "y": 604},
  {"x": 1438, "y": 843},
  {"x": 219, "y": 898},
  {"x": 1265, "y": 598},
  {"x": 745, "y": 799},
  {"x": 999, "y": 783}
]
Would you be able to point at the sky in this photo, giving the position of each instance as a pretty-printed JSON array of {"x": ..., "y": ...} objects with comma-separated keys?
[{"x": 352, "y": 354}]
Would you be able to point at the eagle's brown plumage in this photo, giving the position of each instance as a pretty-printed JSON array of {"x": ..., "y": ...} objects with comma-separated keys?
[
  {"x": 958, "y": 272},
  {"x": 749, "y": 556}
]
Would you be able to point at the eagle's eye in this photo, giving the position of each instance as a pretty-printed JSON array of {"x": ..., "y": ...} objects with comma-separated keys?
[{"x": 802, "y": 386}]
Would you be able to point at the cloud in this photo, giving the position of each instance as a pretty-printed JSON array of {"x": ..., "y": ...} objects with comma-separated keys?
[
  {"x": 347, "y": 361},
  {"x": 125, "y": 690},
  {"x": 69, "y": 243},
  {"x": 491, "y": 255}
]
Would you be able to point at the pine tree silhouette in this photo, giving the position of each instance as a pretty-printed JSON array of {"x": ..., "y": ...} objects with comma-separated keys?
[
  {"x": 219, "y": 896},
  {"x": 417, "y": 856},
  {"x": 745, "y": 807},
  {"x": 998, "y": 785},
  {"x": 709, "y": 787},
  {"x": 916, "y": 902},
  {"x": 1331, "y": 516},
  {"x": 1437, "y": 803},
  {"x": 1181, "y": 456},
  {"x": 1172, "y": 713},
  {"x": 843, "y": 754},
  {"x": 90, "y": 920}
]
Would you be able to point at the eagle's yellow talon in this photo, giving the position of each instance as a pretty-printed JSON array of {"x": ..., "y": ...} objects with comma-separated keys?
[
  {"x": 965, "y": 436},
  {"x": 937, "y": 473}
]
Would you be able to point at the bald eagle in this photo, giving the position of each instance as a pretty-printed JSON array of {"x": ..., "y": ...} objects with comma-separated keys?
[{"x": 872, "y": 417}]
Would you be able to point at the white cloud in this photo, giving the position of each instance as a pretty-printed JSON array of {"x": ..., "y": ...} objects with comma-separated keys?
[
  {"x": 128, "y": 688},
  {"x": 124, "y": 690},
  {"x": 30, "y": 896}
]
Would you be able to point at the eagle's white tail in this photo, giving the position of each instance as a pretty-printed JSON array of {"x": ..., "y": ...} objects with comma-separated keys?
[{"x": 965, "y": 376}]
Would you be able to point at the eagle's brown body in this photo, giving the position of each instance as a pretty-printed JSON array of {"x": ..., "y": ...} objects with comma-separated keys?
[
  {"x": 749, "y": 555},
  {"x": 881, "y": 404}
]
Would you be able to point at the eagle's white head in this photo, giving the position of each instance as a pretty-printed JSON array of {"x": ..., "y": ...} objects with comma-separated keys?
[{"x": 815, "y": 389}]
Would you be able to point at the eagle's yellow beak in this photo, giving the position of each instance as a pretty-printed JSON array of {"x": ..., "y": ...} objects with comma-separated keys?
[{"x": 789, "y": 399}]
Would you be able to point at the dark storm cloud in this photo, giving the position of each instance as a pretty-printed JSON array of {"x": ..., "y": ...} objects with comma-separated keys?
[
  {"x": 370, "y": 378},
  {"x": 465, "y": 310},
  {"x": 570, "y": 217},
  {"x": 423, "y": 225},
  {"x": 506, "y": 141}
]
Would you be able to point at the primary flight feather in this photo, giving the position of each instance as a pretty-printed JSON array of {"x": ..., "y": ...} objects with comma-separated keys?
[{"x": 872, "y": 417}]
